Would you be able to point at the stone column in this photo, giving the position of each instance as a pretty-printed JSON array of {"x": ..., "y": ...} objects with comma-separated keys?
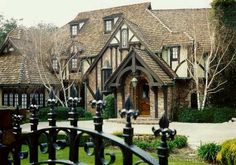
[{"x": 160, "y": 99}]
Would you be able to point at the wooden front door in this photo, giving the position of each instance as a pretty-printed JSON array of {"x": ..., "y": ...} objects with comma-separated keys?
[{"x": 142, "y": 97}]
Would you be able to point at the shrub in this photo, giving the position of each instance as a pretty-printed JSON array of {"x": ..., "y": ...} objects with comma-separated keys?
[
  {"x": 62, "y": 113},
  {"x": 179, "y": 141},
  {"x": 109, "y": 111},
  {"x": 208, "y": 115},
  {"x": 227, "y": 154},
  {"x": 208, "y": 152}
]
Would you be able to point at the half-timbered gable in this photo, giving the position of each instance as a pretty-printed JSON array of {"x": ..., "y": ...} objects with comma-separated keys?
[{"x": 145, "y": 33}]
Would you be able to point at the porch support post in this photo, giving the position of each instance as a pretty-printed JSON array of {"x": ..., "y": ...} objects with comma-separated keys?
[{"x": 155, "y": 90}]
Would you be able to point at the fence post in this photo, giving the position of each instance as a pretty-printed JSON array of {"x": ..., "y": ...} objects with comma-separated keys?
[
  {"x": 165, "y": 133},
  {"x": 17, "y": 118},
  {"x": 34, "y": 126},
  {"x": 52, "y": 123},
  {"x": 128, "y": 131},
  {"x": 99, "y": 104},
  {"x": 73, "y": 118}
]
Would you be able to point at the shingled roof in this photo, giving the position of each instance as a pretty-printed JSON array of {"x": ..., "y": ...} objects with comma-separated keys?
[
  {"x": 154, "y": 66},
  {"x": 154, "y": 27},
  {"x": 19, "y": 68},
  {"x": 193, "y": 22}
]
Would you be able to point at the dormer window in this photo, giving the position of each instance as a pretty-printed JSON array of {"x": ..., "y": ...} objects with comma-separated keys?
[
  {"x": 110, "y": 21},
  {"x": 108, "y": 25},
  {"x": 74, "y": 30},
  {"x": 75, "y": 26}
]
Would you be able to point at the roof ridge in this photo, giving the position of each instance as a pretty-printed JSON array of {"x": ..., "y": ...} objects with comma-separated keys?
[
  {"x": 161, "y": 22},
  {"x": 116, "y": 7},
  {"x": 21, "y": 70},
  {"x": 181, "y": 9}
]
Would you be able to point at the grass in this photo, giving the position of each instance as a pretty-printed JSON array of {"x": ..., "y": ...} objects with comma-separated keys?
[{"x": 184, "y": 156}]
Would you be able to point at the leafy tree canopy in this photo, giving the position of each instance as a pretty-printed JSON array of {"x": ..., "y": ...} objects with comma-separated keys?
[
  {"x": 225, "y": 11},
  {"x": 6, "y": 25}
]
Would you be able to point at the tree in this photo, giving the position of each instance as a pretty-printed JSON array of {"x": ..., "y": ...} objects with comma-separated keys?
[
  {"x": 6, "y": 25},
  {"x": 224, "y": 11},
  {"x": 50, "y": 51},
  {"x": 215, "y": 61}
]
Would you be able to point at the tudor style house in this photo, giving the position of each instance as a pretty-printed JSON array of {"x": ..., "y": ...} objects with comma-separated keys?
[
  {"x": 129, "y": 51},
  {"x": 19, "y": 75},
  {"x": 142, "y": 53}
]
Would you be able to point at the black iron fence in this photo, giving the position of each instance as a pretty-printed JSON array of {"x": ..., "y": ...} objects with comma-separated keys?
[{"x": 95, "y": 146}]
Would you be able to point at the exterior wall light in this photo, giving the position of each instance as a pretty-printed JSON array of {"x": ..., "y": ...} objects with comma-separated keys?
[{"x": 134, "y": 82}]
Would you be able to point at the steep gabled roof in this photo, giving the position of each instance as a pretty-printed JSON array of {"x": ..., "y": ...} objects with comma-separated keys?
[
  {"x": 92, "y": 33},
  {"x": 193, "y": 22},
  {"x": 19, "y": 68},
  {"x": 155, "y": 69}
]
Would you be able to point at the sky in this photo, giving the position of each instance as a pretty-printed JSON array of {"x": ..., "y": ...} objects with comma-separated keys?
[{"x": 60, "y": 12}]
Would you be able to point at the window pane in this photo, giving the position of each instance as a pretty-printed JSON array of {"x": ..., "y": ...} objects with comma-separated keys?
[
  {"x": 74, "y": 30},
  {"x": 74, "y": 63},
  {"x": 108, "y": 25},
  {"x": 11, "y": 99},
  {"x": 5, "y": 100},
  {"x": 16, "y": 100},
  {"x": 175, "y": 52},
  {"x": 124, "y": 38},
  {"x": 54, "y": 64},
  {"x": 41, "y": 99},
  {"x": 24, "y": 100}
]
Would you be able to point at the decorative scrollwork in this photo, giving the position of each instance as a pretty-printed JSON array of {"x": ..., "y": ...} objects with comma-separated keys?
[
  {"x": 165, "y": 134},
  {"x": 164, "y": 130},
  {"x": 98, "y": 103},
  {"x": 112, "y": 158},
  {"x": 87, "y": 147},
  {"x": 73, "y": 103}
]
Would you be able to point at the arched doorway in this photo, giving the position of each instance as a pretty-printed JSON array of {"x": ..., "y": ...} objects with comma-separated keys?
[{"x": 143, "y": 97}]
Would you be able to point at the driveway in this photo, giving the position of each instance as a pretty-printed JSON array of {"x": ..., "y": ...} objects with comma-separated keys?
[{"x": 197, "y": 133}]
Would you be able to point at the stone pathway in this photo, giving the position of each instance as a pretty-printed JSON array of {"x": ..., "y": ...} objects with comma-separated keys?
[{"x": 197, "y": 133}]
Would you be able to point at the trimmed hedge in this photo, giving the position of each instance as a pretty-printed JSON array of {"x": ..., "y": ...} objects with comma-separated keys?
[
  {"x": 208, "y": 152},
  {"x": 208, "y": 115},
  {"x": 179, "y": 141},
  {"x": 62, "y": 113},
  {"x": 227, "y": 154}
]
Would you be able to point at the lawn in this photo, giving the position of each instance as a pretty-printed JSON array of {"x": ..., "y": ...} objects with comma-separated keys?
[{"x": 180, "y": 157}]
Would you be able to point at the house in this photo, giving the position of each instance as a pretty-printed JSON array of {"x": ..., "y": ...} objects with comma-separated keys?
[
  {"x": 137, "y": 52},
  {"x": 20, "y": 77},
  {"x": 149, "y": 46}
]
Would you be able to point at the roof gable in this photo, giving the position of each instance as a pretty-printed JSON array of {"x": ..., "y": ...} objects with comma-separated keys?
[{"x": 141, "y": 60}]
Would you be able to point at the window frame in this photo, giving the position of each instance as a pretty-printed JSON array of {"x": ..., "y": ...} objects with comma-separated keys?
[
  {"x": 55, "y": 65},
  {"x": 111, "y": 25},
  {"x": 73, "y": 62},
  {"x": 74, "y": 28},
  {"x": 177, "y": 53},
  {"x": 122, "y": 39}
]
